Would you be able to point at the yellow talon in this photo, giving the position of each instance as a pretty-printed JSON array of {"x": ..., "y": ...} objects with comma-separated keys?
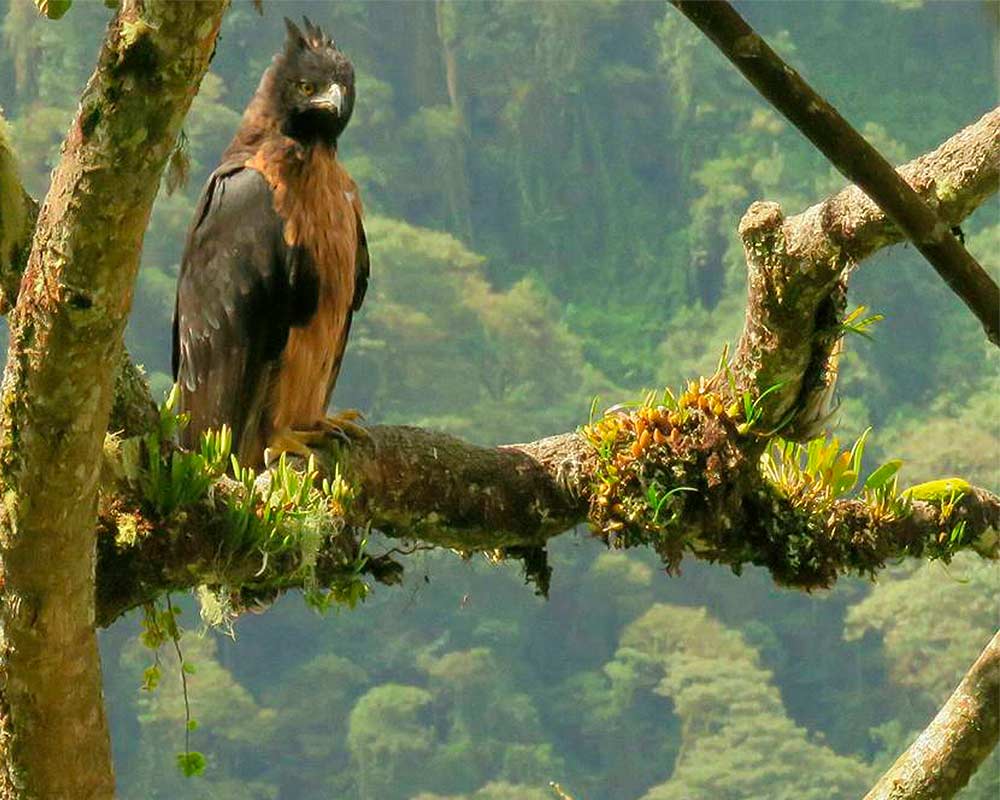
[
  {"x": 343, "y": 425},
  {"x": 286, "y": 441},
  {"x": 300, "y": 442}
]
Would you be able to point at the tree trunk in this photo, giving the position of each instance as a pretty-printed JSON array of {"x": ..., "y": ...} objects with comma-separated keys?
[
  {"x": 66, "y": 337},
  {"x": 458, "y": 189}
]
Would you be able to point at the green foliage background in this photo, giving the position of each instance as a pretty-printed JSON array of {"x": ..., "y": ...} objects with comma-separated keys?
[{"x": 557, "y": 220}]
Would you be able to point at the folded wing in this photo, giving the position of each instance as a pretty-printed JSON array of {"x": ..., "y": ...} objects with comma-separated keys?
[{"x": 241, "y": 288}]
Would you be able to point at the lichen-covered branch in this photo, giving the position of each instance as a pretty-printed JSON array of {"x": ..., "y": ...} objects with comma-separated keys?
[
  {"x": 798, "y": 268},
  {"x": 949, "y": 751},
  {"x": 419, "y": 485},
  {"x": 432, "y": 486},
  {"x": 66, "y": 338},
  {"x": 848, "y": 151}
]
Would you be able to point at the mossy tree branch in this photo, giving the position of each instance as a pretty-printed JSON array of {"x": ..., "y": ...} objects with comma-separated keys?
[{"x": 419, "y": 485}]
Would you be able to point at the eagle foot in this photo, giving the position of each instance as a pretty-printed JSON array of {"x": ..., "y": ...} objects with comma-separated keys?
[
  {"x": 285, "y": 442},
  {"x": 340, "y": 427}
]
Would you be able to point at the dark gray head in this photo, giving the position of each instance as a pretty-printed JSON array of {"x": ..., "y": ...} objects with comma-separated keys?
[{"x": 314, "y": 86}]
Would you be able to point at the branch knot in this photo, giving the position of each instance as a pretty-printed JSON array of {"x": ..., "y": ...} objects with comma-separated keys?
[{"x": 762, "y": 220}]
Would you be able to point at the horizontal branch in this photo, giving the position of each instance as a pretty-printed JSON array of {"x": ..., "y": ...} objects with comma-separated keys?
[
  {"x": 435, "y": 487},
  {"x": 410, "y": 483},
  {"x": 854, "y": 157},
  {"x": 415, "y": 484},
  {"x": 949, "y": 751}
]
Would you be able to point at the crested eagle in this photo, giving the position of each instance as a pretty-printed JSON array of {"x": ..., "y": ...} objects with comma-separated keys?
[{"x": 275, "y": 265}]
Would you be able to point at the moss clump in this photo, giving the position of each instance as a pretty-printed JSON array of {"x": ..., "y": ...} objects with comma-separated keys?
[
  {"x": 652, "y": 460},
  {"x": 13, "y": 207},
  {"x": 799, "y": 547}
]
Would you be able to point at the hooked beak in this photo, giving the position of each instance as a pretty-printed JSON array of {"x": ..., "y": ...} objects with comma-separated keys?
[{"x": 331, "y": 100}]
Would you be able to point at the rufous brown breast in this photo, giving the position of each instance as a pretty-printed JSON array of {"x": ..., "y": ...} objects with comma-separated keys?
[{"x": 319, "y": 202}]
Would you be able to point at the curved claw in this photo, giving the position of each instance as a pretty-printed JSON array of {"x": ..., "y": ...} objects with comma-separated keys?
[
  {"x": 343, "y": 425},
  {"x": 300, "y": 442}
]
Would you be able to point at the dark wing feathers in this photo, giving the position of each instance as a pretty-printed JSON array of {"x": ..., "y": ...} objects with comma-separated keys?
[
  {"x": 362, "y": 268},
  {"x": 240, "y": 289}
]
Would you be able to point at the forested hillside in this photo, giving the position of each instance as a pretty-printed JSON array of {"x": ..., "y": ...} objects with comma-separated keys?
[{"x": 545, "y": 183}]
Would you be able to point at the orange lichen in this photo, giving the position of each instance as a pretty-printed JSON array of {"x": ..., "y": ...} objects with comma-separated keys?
[{"x": 639, "y": 487}]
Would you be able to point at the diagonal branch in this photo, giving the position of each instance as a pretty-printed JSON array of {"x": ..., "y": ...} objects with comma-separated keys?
[
  {"x": 821, "y": 123},
  {"x": 949, "y": 751}
]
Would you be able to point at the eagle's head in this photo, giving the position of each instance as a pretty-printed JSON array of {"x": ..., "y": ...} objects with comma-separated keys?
[{"x": 314, "y": 86}]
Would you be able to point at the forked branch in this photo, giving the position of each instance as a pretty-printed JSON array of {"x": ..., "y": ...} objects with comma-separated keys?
[{"x": 848, "y": 151}]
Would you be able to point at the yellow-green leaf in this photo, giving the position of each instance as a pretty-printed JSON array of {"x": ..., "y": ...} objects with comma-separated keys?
[
  {"x": 880, "y": 477},
  {"x": 943, "y": 489},
  {"x": 53, "y": 9}
]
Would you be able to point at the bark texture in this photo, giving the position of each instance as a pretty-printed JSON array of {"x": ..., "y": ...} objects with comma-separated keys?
[
  {"x": 419, "y": 485},
  {"x": 66, "y": 337},
  {"x": 798, "y": 268},
  {"x": 946, "y": 755}
]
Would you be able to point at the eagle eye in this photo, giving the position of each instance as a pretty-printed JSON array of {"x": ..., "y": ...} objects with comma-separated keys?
[{"x": 308, "y": 88}]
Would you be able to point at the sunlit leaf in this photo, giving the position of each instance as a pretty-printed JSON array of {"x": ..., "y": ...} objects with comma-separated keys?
[
  {"x": 53, "y": 9},
  {"x": 881, "y": 476}
]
